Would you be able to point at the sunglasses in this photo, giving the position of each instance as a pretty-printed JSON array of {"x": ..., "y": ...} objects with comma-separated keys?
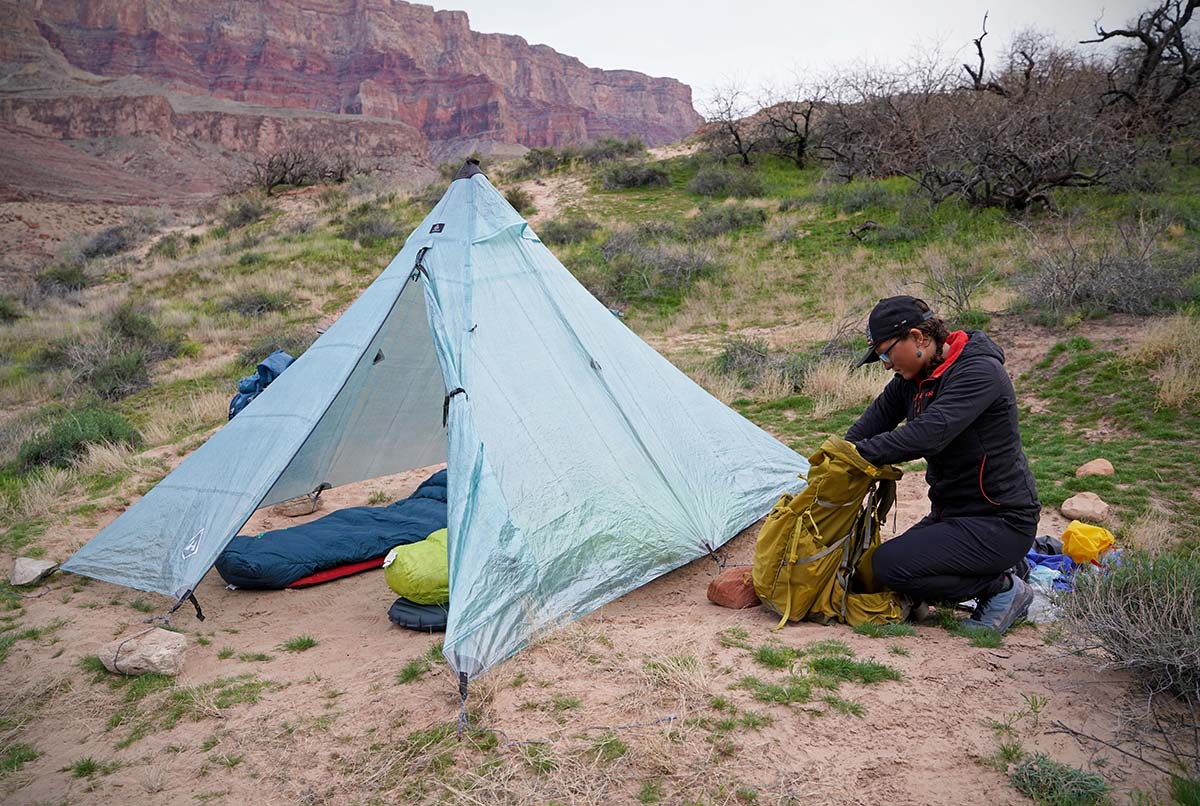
[{"x": 883, "y": 354}]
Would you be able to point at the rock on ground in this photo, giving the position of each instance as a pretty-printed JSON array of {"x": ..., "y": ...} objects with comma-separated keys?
[
  {"x": 158, "y": 650},
  {"x": 1096, "y": 467},
  {"x": 27, "y": 571},
  {"x": 1087, "y": 507},
  {"x": 734, "y": 588}
]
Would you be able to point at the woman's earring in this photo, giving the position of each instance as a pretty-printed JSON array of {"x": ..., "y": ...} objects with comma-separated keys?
[{"x": 918, "y": 353}]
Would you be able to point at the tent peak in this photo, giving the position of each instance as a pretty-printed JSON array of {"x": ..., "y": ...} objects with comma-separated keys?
[{"x": 470, "y": 168}]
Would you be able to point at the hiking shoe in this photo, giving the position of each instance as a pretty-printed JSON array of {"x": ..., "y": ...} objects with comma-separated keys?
[{"x": 1002, "y": 610}]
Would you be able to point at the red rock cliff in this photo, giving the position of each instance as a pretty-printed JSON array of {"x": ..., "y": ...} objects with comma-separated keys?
[{"x": 377, "y": 58}]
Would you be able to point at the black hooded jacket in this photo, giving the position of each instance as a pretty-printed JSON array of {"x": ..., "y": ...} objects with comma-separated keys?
[{"x": 963, "y": 421}]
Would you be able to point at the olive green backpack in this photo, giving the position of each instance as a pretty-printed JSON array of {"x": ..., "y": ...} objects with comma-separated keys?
[{"x": 812, "y": 559}]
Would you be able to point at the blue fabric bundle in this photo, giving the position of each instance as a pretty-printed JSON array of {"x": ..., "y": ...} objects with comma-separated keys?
[
  {"x": 1061, "y": 563},
  {"x": 252, "y": 385},
  {"x": 278, "y": 558}
]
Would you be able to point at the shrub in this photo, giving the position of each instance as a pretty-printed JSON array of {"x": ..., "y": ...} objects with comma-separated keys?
[
  {"x": 121, "y": 375},
  {"x": 611, "y": 148},
  {"x": 369, "y": 228},
  {"x": 167, "y": 246},
  {"x": 244, "y": 211},
  {"x": 111, "y": 241},
  {"x": 63, "y": 278},
  {"x": 641, "y": 264},
  {"x": 69, "y": 437},
  {"x": 568, "y": 230},
  {"x": 256, "y": 303},
  {"x": 1145, "y": 614},
  {"x": 719, "y": 181},
  {"x": 520, "y": 200},
  {"x": 136, "y": 326},
  {"x": 634, "y": 175},
  {"x": 854, "y": 197},
  {"x": 724, "y": 218},
  {"x": 1126, "y": 273},
  {"x": 10, "y": 310},
  {"x": 745, "y": 359}
]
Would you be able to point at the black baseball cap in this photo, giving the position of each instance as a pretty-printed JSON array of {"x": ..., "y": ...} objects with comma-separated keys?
[{"x": 890, "y": 318}]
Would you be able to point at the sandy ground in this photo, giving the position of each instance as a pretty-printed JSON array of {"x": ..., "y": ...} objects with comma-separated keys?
[{"x": 326, "y": 726}]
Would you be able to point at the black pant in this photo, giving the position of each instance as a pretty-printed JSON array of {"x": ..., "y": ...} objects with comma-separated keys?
[{"x": 953, "y": 559}]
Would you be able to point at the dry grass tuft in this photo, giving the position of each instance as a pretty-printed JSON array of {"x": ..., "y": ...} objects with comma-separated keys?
[
  {"x": 201, "y": 410},
  {"x": 43, "y": 494},
  {"x": 681, "y": 677},
  {"x": 834, "y": 385},
  {"x": 1153, "y": 532},
  {"x": 1171, "y": 345},
  {"x": 103, "y": 458}
]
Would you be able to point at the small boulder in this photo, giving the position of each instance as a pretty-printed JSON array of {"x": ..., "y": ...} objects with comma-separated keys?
[
  {"x": 733, "y": 588},
  {"x": 27, "y": 571},
  {"x": 1096, "y": 467},
  {"x": 297, "y": 507},
  {"x": 1087, "y": 507},
  {"x": 159, "y": 651}
]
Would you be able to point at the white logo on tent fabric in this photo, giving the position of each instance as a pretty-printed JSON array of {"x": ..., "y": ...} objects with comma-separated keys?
[{"x": 193, "y": 545}]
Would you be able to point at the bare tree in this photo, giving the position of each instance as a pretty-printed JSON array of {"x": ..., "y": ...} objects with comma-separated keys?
[
  {"x": 1006, "y": 138},
  {"x": 787, "y": 120},
  {"x": 296, "y": 167},
  {"x": 1159, "y": 65},
  {"x": 732, "y": 130}
]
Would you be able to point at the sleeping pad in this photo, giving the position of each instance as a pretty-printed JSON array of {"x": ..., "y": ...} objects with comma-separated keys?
[{"x": 279, "y": 557}]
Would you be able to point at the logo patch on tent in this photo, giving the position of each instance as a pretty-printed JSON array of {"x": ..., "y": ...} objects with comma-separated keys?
[
  {"x": 193, "y": 545},
  {"x": 437, "y": 228}
]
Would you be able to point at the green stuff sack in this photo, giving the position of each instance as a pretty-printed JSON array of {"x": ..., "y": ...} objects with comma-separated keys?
[
  {"x": 812, "y": 556},
  {"x": 420, "y": 572}
]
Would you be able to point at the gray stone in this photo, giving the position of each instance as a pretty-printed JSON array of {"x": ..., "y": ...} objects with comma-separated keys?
[
  {"x": 297, "y": 507},
  {"x": 158, "y": 650},
  {"x": 1086, "y": 507},
  {"x": 1096, "y": 467},
  {"x": 27, "y": 571}
]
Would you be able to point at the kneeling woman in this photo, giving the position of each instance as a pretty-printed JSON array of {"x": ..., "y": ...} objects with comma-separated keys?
[{"x": 961, "y": 417}]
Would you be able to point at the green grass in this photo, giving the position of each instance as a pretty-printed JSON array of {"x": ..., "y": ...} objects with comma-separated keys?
[
  {"x": 88, "y": 767},
  {"x": 981, "y": 637},
  {"x": 412, "y": 671},
  {"x": 1053, "y": 783},
  {"x": 885, "y": 630},
  {"x": 225, "y": 653},
  {"x": 10, "y": 635},
  {"x": 859, "y": 671},
  {"x": 608, "y": 748},
  {"x": 842, "y": 706},
  {"x": 300, "y": 643},
  {"x": 254, "y": 657},
  {"x": 1153, "y": 449},
  {"x": 15, "y": 756}
]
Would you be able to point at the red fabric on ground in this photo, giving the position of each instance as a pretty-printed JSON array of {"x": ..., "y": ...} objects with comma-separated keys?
[{"x": 337, "y": 573}]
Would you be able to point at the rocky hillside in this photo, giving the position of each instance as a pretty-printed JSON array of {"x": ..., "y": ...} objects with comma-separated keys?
[{"x": 197, "y": 84}]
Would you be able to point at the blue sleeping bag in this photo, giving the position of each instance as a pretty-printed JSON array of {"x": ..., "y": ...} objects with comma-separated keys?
[{"x": 278, "y": 558}]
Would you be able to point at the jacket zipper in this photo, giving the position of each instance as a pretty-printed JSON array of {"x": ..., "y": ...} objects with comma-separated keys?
[{"x": 981, "y": 490}]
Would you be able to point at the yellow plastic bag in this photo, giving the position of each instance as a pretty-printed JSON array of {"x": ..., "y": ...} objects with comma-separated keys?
[{"x": 1084, "y": 543}]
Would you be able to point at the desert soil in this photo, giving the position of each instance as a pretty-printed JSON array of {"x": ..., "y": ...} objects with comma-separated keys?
[{"x": 310, "y": 738}]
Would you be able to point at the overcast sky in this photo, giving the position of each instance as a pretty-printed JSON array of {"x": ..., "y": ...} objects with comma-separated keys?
[{"x": 705, "y": 43}]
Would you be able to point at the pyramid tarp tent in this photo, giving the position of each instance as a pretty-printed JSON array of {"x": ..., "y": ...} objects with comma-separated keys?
[{"x": 582, "y": 464}]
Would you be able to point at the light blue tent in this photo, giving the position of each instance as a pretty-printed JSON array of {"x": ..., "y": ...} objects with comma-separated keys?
[{"x": 582, "y": 464}]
